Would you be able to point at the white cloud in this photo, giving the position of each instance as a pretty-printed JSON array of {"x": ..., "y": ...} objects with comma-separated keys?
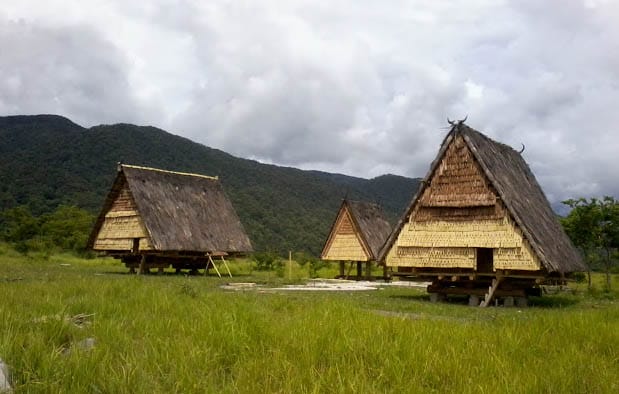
[{"x": 357, "y": 87}]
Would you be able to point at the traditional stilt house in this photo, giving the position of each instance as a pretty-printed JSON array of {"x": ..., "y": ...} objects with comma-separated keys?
[
  {"x": 153, "y": 218},
  {"x": 480, "y": 225},
  {"x": 357, "y": 234}
]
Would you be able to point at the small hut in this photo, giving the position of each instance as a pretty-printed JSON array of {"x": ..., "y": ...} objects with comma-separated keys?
[
  {"x": 357, "y": 234},
  {"x": 154, "y": 218},
  {"x": 480, "y": 225}
]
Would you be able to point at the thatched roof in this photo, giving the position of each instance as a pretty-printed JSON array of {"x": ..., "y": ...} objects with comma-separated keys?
[
  {"x": 519, "y": 191},
  {"x": 180, "y": 211},
  {"x": 369, "y": 222}
]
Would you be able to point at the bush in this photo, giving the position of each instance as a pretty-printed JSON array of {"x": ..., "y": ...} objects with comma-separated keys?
[
  {"x": 66, "y": 228},
  {"x": 302, "y": 258},
  {"x": 579, "y": 277},
  {"x": 267, "y": 261}
]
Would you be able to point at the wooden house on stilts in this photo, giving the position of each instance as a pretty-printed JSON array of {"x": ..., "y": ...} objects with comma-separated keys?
[
  {"x": 357, "y": 235},
  {"x": 480, "y": 225},
  {"x": 154, "y": 218}
]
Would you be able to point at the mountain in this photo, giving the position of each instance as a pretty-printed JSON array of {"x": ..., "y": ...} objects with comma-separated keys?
[{"x": 48, "y": 160}]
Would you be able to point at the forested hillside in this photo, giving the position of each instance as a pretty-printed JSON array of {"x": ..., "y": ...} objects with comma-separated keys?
[{"x": 47, "y": 160}]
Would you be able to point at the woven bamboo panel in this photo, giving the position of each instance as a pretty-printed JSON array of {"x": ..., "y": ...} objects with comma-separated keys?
[
  {"x": 345, "y": 247},
  {"x": 477, "y": 234},
  {"x": 113, "y": 244},
  {"x": 121, "y": 226},
  {"x": 345, "y": 224},
  {"x": 121, "y": 244},
  {"x": 424, "y": 214},
  {"x": 124, "y": 201},
  {"x": 458, "y": 181},
  {"x": 516, "y": 258},
  {"x": 431, "y": 257}
]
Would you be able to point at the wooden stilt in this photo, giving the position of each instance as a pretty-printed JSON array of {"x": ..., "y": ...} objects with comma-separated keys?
[
  {"x": 352, "y": 263},
  {"x": 368, "y": 270},
  {"x": 142, "y": 269},
  {"x": 342, "y": 268},
  {"x": 359, "y": 270}
]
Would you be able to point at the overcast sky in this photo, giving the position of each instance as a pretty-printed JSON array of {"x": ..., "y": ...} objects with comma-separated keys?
[{"x": 356, "y": 87}]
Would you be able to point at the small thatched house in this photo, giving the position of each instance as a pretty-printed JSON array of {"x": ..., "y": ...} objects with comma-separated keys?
[
  {"x": 156, "y": 218},
  {"x": 480, "y": 225},
  {"x": 357, "y": 235}
]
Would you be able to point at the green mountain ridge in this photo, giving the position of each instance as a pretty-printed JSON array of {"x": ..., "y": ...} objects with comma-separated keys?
[{"x": 48, "y": 160}]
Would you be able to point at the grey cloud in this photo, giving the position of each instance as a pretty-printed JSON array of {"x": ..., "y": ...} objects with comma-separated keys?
[
  {"x": 66, "y": 70},
  {"x": 361, "y": 88}
]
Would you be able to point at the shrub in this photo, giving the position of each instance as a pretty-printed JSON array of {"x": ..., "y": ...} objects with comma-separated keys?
[{"x": 266, "y": 261}]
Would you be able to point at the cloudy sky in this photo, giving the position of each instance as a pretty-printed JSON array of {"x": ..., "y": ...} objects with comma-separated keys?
[{"x": 356, "y": 87}]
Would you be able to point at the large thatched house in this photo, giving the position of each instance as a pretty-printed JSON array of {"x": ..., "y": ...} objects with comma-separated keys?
[
  {"x": 156, "y": 218},
  {"x": 357, "y": 235},
  {"x": 480, "y": 225}
]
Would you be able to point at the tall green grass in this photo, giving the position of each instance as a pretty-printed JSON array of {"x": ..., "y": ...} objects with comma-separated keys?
[{"x": 170, "y": 333}]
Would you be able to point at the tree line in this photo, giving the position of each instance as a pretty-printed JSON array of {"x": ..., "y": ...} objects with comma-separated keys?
[
  {"x": 65, "y": 229},
  {"x": 592, "y": 225}
]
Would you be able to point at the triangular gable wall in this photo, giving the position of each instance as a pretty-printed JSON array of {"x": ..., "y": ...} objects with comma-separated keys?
[
  {"x": 122, "y": 224},
  {"x": 458, "y": 212},
  {"x": 344, "y": 242}
]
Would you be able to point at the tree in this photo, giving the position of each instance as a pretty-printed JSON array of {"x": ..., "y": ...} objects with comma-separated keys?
[
  {"x": 609, "y": 232},
  {"x": 67, "y": 227},
  {"x": 593, "y": 226},
  {"x": 19, "y": 226}
]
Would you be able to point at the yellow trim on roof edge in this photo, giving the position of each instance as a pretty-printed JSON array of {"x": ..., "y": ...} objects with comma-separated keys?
[{"x": 170, "y": 172}]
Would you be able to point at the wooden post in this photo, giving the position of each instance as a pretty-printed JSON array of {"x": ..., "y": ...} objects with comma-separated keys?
[
  {"x": 359, "y": 270},
  {"x": 342, "y": 266},
  {"x": 142, "y": 269},
  {"x": 290, "y": 265},
  {"x": 349, "y": 269}
]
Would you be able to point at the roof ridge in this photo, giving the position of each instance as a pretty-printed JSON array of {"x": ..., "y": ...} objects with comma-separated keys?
[{"x": 170, "y": 172}]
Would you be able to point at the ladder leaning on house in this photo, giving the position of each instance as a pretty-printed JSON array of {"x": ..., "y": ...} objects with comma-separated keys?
[{"x": 490, "y": 294}]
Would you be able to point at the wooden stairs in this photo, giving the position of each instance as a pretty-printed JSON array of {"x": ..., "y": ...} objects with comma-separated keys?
[{"x": 490, "y": 294}]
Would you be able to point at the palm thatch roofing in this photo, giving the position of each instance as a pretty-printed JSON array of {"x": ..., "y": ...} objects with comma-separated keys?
[
  {"x": 369, "y": 224},
  {"x": 180, "y": 211},
  {"x": 521, "y": 194}
]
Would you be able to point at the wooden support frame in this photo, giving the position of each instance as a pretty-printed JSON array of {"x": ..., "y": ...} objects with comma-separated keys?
[{"x": 212, "y": 262}]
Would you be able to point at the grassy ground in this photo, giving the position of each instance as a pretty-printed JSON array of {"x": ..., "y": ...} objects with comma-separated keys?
[{"x": 172, "y": 333}]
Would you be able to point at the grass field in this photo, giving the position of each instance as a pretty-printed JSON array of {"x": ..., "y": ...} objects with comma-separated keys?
[{"x": 175, "y": 333}]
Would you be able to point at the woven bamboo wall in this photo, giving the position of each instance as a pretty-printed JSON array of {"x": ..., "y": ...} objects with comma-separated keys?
[
  {"x": 458, "y": 181},
  {"x": 477, "y": 233},
  {"x": 121, "y": 225},
  {"x": 458, "y": 213},
  {"x": 521, "y": 258},
  {"x": 346, "y": 247},
  {"x": 345, "y": 243},
  {"x": 431, "y": 257},
  {"x": 453, "y": 245}
]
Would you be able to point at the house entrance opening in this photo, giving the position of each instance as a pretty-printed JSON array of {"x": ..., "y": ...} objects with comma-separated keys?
[{"x": 484, "y": 260}]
